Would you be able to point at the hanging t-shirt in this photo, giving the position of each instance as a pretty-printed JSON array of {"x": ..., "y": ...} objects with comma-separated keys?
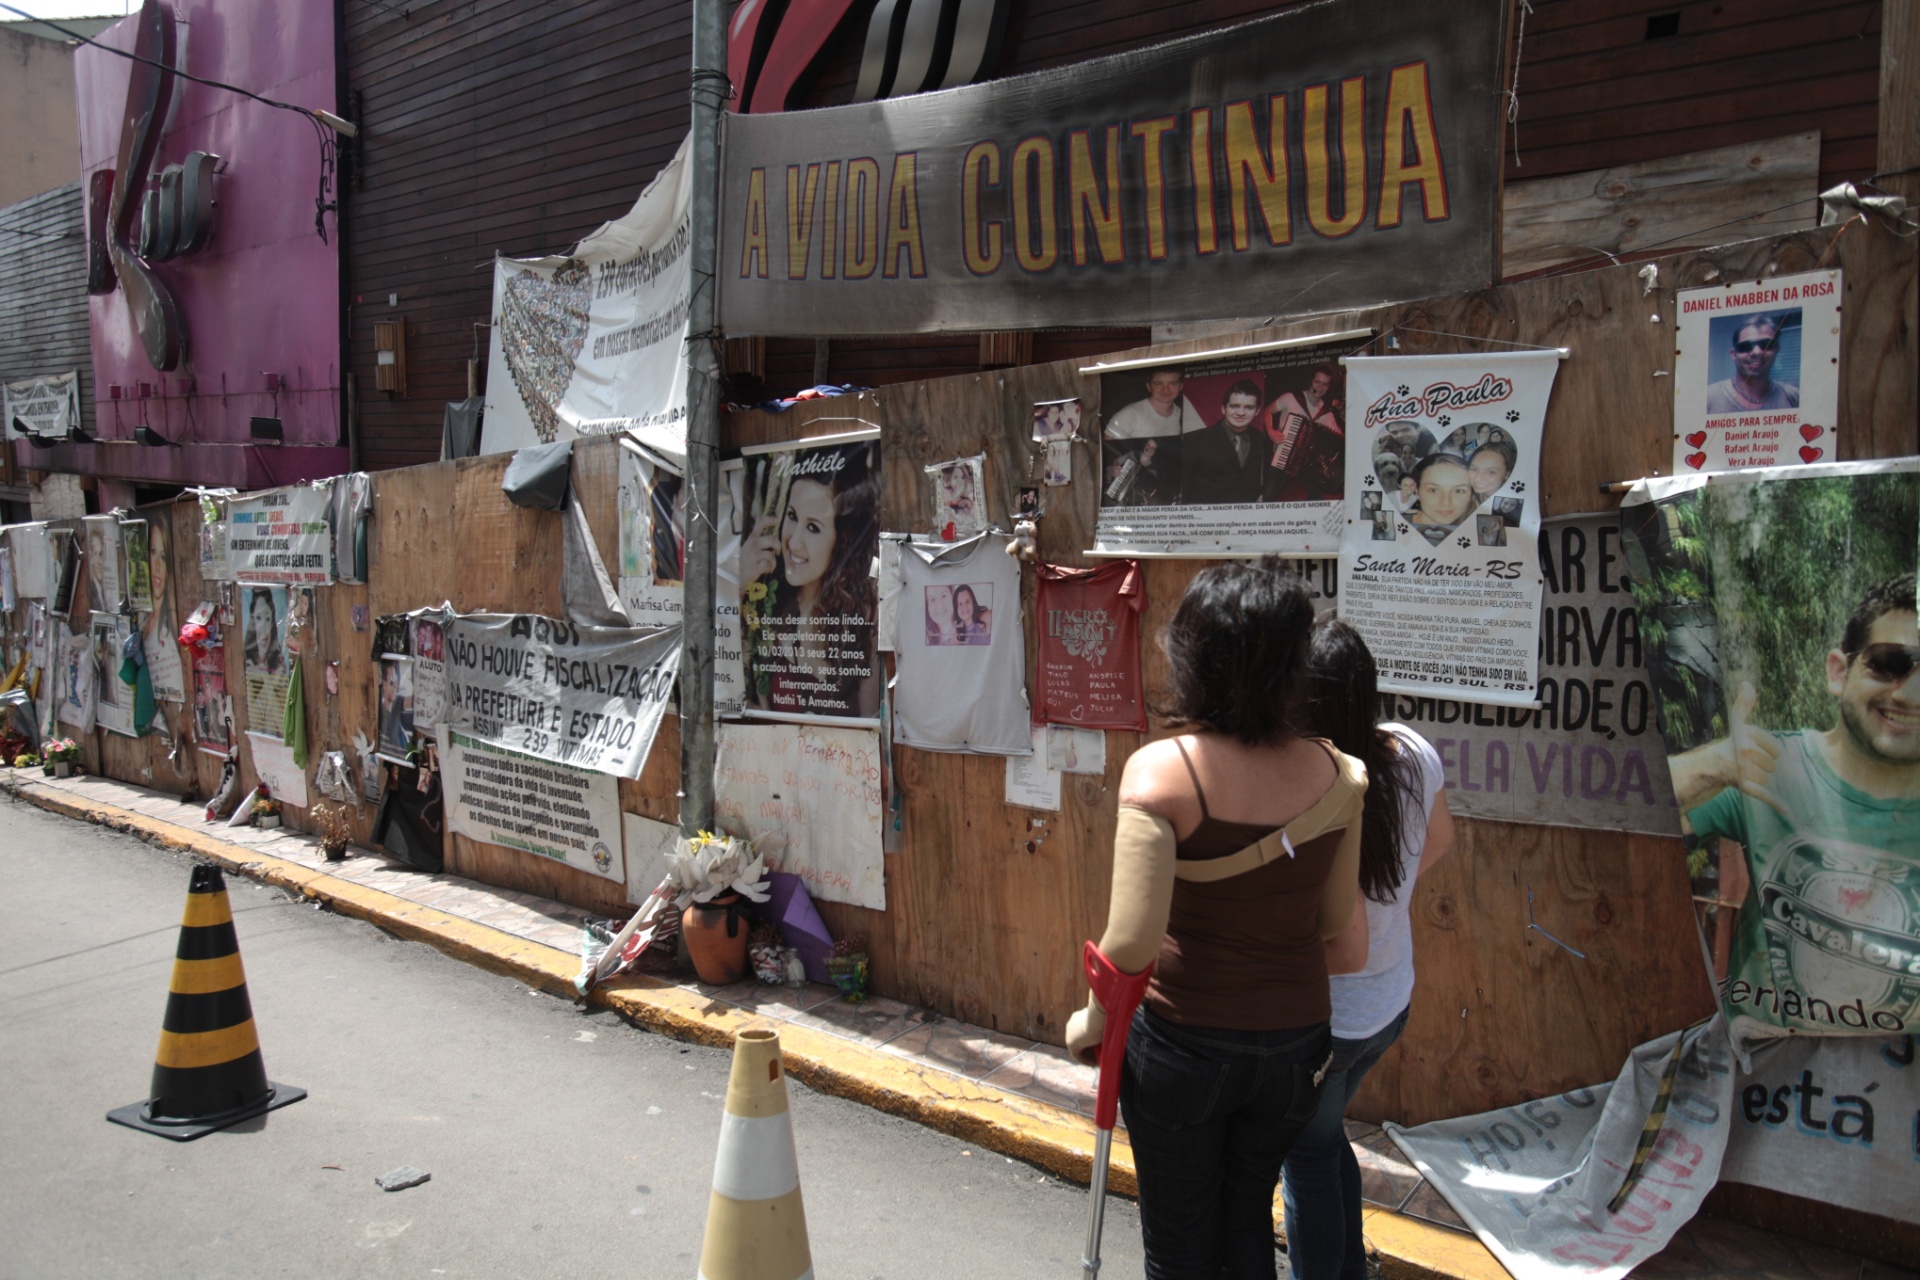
[
  {"x": 1090, "y": 645},
  {"x": 961, "y": 678}
]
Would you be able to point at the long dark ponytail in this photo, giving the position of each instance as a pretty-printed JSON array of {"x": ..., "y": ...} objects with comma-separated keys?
[{"x": 1343, "y": 701}]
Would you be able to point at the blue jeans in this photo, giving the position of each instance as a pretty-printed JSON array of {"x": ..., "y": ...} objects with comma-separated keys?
[
  {"x": 1211, "y": 1114},
  {"x": 1322, "y": 1191}
]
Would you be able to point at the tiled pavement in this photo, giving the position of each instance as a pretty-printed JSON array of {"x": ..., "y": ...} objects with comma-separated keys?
[{"x": 1705, "y": 1249}]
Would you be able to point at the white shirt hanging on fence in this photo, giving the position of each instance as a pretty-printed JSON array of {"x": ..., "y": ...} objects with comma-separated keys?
[{"x": 961, "y": 677}]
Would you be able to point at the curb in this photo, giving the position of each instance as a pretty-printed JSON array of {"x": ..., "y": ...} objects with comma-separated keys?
[{"x": 1058, "y": 1141}]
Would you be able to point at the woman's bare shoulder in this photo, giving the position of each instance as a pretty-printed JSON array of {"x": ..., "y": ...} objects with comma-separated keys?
[{"x": 1155, "y": 779}]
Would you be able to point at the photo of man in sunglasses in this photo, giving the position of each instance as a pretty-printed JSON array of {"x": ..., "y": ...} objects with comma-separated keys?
[
  {"x": 1827, "y": 936},
  {"x": 1752, "y": 388}
]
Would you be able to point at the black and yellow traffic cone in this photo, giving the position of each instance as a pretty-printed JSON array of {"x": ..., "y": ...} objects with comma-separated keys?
[
  {"x": 756, "y": 1227},
  {"x": 208, "y": 1073}
]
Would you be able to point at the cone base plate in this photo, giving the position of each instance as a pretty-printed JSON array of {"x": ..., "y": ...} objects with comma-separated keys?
[{"x": 134, "y": 1115}]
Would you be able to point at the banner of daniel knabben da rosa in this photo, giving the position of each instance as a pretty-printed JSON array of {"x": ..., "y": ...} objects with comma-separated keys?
[{"x": 1778, "y": 606}]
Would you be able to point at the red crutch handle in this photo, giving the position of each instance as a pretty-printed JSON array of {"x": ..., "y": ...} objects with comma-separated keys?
[{"x": 1119, "y": 994}]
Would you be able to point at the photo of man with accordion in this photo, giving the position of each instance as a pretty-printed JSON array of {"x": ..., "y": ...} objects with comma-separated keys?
[{"x": 1309, "y": 439}]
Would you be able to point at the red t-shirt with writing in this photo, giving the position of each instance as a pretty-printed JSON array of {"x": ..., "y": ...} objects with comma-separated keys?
[{"x": 1089, "y": 624}]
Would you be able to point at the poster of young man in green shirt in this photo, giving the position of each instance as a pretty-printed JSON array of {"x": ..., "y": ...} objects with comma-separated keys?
[{"x": 1807, "y": 758}]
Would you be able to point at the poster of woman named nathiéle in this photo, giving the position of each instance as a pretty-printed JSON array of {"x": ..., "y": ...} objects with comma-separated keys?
[
  {"x": 808, "y": 600},
  {"x": 1440, "y": 565}
]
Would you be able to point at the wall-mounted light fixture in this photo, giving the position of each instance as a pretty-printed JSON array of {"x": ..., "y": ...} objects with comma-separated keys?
[{"x": 148, "y": 436}]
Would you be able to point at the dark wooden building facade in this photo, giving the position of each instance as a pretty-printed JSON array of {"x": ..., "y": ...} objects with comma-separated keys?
[{"x": 513, "y": 127}]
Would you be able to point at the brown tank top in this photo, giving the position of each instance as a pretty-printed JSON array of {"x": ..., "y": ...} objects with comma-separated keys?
[{"x": 1245, "y": 953}]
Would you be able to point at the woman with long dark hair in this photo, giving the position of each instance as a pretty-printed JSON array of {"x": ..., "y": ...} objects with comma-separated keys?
[
  {"x": 1236, "y": 855},
  {"x": 1404, "y": 829}
]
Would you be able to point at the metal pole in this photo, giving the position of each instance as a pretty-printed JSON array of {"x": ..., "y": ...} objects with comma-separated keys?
[
  {"x": 709, "y": 97},
  {"x": 1102, "y": 1155}
]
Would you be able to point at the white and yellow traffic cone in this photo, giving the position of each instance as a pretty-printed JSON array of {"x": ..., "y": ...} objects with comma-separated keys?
[{"x": 756, "y": 1227}]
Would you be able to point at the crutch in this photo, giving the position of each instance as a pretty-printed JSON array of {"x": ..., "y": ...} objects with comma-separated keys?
[{"x": 1119, "y": 994}]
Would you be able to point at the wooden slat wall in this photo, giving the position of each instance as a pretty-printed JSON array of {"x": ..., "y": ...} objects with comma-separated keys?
[
  {"x": 43, "y": 291},
  {"x": 489, "y": 126},
  {"x": 987, "y": 904}
]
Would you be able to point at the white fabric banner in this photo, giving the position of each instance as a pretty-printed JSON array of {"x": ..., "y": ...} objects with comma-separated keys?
[
  {"x": 76, "y": 677},
  {"x": 45, "y": 407},
  {"x": 1534, "y": 1181},
  {"x": 282, "y": 536},
  {"x": 810, "y": 798},
  {"x": 586, "y": 696},
  {"x": 1441, "y": 573},
  {"x": 1831, "y": 1118},
  {"x": 551, "y": 810},
  {"x": 595, "y": 341}
]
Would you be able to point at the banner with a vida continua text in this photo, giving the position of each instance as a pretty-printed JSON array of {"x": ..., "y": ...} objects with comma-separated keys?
[
  {"x": 1778, "y": 606},
  {"x": 591, "y": 697},
  {"x": 594, "y": 341},
  {"x": 1440, "y": 566}
]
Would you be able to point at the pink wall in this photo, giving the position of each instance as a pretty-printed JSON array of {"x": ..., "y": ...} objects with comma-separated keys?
[{"x": 263, "y": 296}]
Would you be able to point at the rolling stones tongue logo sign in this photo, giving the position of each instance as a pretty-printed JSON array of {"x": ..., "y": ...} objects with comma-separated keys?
[{"x": 136, "y": 217}]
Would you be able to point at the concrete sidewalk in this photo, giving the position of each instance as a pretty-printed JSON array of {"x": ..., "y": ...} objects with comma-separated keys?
[{"x": 1007, "y": 1094}]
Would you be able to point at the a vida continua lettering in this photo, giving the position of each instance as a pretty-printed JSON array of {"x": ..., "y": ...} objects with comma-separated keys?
[{"x": 1239, "y": 177}]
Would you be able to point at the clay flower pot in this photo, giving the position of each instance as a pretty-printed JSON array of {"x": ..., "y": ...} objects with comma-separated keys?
[{"x": 716, "y": 938}]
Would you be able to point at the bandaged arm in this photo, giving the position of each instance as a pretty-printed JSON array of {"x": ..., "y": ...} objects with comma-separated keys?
[{"x": 1137, "y": 912}]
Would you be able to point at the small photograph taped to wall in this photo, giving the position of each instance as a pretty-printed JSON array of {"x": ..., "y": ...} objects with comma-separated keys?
[
  {"x": 1056, "y": 420},
  {"x": 396, "y": 707},
  {"x": 959, "y": 496},
  {"x": 1492, "y": 530},
  {"x": 1386, "y": 526},
  {"x": 961, "y": 614}
]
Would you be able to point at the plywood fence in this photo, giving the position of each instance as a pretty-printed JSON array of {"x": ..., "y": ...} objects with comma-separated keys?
[{"x": 987, "y": 905}]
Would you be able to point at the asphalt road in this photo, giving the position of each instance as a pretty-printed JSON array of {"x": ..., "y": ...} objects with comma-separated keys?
[{"x": 560, "y": 1142}]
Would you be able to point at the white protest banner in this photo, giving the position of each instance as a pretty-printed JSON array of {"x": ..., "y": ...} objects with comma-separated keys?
[
  {"x": 651, "y": 501},
  {"x": 1442, "y": 574},
  {"x": 1756, "y": 379},
  {"x": 1831, "y": 1119},
  {"x": 282, "y": 536},
  {"x": 810, "y": 799},
  {"x": 586, "y": 696},
  {"x": 1534, "y": 1181},
  {"x": 536, "y": 806},
  {"x": 594, "y": 341},
  {"x": 46, "y": 407},
  {"x": 1590, "y": 755}
]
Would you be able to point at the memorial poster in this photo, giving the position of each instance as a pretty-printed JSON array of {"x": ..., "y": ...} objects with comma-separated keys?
[
  {"x": 113, "y": 696},
  {"x": 537, "y": 806},
  {"x": 1590, "y": 754},
  {"x": 264, "y": 663},
  {"x": 586, "y": 696},
  {"x": 808, "y": 600},
  {"x": 1225, "y": 457},
  {"x": 651, "y": 498},
  {"x": 1779, "y": 608},
  {"x": 1439, "y": 565},
  {"x": 1756, "y": 376}
]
